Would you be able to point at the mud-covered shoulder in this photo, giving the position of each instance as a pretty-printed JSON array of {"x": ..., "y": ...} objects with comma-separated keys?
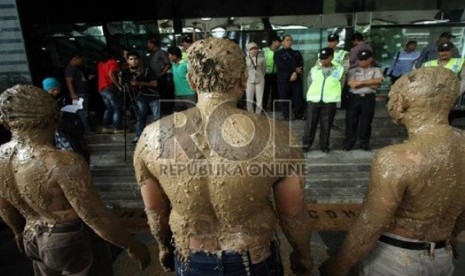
[
  {"x": 396, "y": 162},
  {"x": 65, "y": 163},
  {"x": 153, "y": 137}
]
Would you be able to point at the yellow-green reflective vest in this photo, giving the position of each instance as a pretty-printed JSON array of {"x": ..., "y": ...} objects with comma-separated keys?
[
  {"x": 326, "y": 89},
  {"x": 339, "y": 56},
  {"x": 269, "y": 60},
  {"x": 454, "y": 64}
]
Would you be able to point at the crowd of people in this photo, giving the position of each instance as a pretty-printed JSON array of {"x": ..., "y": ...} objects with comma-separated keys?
[
  {"x": 275, "y": 83},
  {"x": 218, "y": 223}
]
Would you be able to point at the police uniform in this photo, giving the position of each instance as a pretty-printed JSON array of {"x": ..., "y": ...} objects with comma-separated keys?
[
  {"x": 322, "y": 95},
  {"x": 361, "y": 105}
]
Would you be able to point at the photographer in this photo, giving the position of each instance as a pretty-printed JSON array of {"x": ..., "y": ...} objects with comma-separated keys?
[{"x": 142, "y": 83}]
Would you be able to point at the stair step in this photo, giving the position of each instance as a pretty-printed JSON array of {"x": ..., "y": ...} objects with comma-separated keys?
[
  {"x": 335, "y": 195},
  {"x": 337, "y": 175},
  {"x": 311, "y": 183},
  {"x": 115, "y": 170},
  {"x": 120, "y": 195}
]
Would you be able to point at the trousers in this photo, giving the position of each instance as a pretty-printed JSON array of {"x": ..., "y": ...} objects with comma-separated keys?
[
  {"x": 202, "y": 263},
  {"x": 389, "y": 260}
]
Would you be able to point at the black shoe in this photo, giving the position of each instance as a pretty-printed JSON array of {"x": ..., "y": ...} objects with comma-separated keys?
[
  {"x": 325, "y": 150},
  {"x": 366, "y": 148}
]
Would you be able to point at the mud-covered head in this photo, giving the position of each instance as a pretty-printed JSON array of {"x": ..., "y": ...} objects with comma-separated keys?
[
  {"x": 430, "y": 90},
  {"x": 27, "y": 107},
  {"x": 216, "y": 65}
]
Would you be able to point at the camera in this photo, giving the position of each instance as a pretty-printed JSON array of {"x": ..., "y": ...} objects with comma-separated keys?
[{"x": 127, "y": 76}]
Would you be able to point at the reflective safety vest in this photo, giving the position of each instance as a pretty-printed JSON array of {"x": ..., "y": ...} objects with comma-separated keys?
[
  {"x": 269, "y": 60},
  {"x": 454, "y": 64},
  {"x": 326, "y": 89},
  {"x": 339, "y": 56}
]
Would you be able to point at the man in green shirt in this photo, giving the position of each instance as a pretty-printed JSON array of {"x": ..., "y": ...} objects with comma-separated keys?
[{"x": 185, "y": 96}]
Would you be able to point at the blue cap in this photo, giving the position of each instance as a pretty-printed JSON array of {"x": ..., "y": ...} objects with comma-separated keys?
[{"x": 50, "y": 83}]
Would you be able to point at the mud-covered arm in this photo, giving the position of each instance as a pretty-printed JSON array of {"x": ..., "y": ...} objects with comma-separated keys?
[
  {"x": 459, "y": 225},
  {"x": 11, "y": 217},
  {"x": 386, "y": 190},
  {"x": 78, "y": 190},
  {"x": 14, "y": 220},
  {"x": 290, "y": 204},
  {"x": 157, "y": 208}
]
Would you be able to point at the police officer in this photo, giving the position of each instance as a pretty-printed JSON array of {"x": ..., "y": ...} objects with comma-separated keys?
[
  {"x": 323, "y": 93},
  {"x": 363, "y": 81},
  {"x": 445, "y": 59}
]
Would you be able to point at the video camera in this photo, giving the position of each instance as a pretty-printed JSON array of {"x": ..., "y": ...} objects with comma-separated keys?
[{"x": 126, "y": 76}]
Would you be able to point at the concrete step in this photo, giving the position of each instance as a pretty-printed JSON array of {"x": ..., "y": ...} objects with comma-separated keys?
[
  {"x": 113, "y": 181},
  {"x": 336, "y": 176},
  {"x": 123, "y": 169},
  {"x": 120, "y": 195},
  {"x": 111, "y": 158},
  {"x": 336, "y": 195}
]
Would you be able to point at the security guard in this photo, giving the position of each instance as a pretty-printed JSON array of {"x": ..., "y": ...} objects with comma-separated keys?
[
  {"x": 445, "y": 59},
  {"x": 323, "y": 93},
  {"x": 363, "y": 80}
]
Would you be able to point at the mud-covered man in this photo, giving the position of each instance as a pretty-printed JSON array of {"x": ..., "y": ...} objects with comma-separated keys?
[
  {"x": 197, "y": 182},
  {"x": 416, "y": 199},
  {"x": 52, "y": 190}
]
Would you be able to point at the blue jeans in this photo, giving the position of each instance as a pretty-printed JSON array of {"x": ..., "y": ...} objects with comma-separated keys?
[
  {"x": 143, "y": 111},
  {"x": 112, "y": 114},
  {"x": 84, "y": 113},
  {"x": 228, "y": 263}
]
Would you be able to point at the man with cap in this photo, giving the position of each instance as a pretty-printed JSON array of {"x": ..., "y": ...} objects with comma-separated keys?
[
  {"x": 271, "y": 86},
  {"x": 70, "y": 130},
  {"x": 341, "y": 57},
  {"x": 323, "y": 93},
  {"x": 430, "y": 51},
  {"x": 445, "y": 59},
  {"x": 363, "y": 81}
]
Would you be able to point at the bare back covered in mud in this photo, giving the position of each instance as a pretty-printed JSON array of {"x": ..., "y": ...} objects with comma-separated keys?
[
  {"x": 25, "y": 160},
  {"x": 417, "y": 188},
  {"x": 218, "y": 165},
  {"x": 43, "y": 183}
]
